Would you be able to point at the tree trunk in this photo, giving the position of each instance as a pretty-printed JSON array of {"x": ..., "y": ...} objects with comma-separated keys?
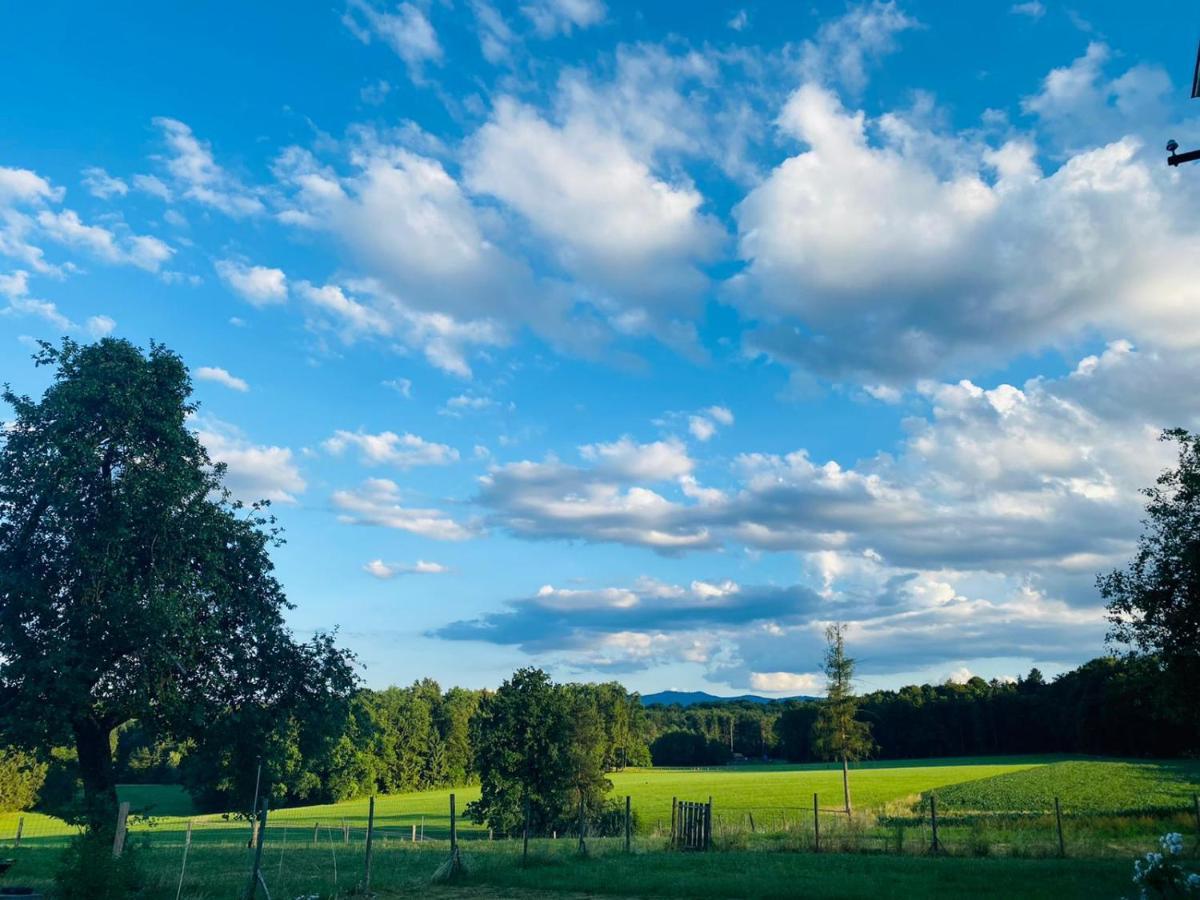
[
  {"x": 846, "y": 782},
  {"x": 92, "y": 743}
]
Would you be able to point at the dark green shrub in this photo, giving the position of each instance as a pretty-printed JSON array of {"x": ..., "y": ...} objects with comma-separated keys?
[{"x": 87, "y": 870}]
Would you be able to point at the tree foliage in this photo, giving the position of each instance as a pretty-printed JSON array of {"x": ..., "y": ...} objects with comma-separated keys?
[
  {"x": 542, "y": 747},
  {"x": 22, "y": 775},
  {"x": 132, "y": 585},
  {"x": 1154, "y": 603},
  {"x": 837, "y": 732}
]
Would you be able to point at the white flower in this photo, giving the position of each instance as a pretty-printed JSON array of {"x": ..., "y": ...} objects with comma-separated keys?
[{"x": 1172, "y": 843}]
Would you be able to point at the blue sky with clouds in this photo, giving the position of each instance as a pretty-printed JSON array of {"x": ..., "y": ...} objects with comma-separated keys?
[{"x": 638, "y": 341}]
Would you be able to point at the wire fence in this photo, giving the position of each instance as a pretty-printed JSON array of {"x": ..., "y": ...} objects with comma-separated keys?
[{"x": 325, "y": 851}]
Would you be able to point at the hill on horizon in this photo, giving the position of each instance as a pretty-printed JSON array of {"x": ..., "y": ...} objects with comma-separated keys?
[{"x": 695, "y": 698}]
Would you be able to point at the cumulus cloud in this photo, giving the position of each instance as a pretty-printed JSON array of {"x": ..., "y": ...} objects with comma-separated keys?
[
  {"x": 221, "y": 376},
  {"x": 379, "y": 502},
  {"x": 550, "y": 499},
  {"x": 704, "y": 424},
  {"x": 405, "y": 219},
  {"x": 365, "y": 310},
  {"x": 144, "y": 251},
  {"x": 979, "y": 258},
  {"x": 255, "y": 471},
  {"x": 1035, "y": 481},
  {"x": 258, "y": 285},
  {"x": 612, "y": 220},
  {"x": 389, "y": 448},
  {"x": 198, "y": 176},
  {"x": 786, "y": 682}
]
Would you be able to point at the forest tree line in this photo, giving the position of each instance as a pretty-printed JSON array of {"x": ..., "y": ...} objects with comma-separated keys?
[{"x": 421, "y": 736}]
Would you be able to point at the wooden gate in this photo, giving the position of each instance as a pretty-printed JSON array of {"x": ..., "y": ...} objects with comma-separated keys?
[{"x": 691, "y": 825}]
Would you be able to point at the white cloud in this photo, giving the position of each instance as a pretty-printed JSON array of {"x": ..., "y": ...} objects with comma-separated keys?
[
  {"x": 845, "y": 48},
  {"x": 198, "y": 176},
  {"x": 1080, "y": 107},
  {"x": 407, "y": 32},
  {"x": 379, "y": 502},
  {"x": 389, "y": 448},
  {"x": 786, "y": 683},
  {"x": 551, "y": 17},
  {"x": 739, "y": 20},
  {"x": 961, "y": 675},
  {"x": 152, "y": 185},
  {"x": 220, "y": 376},
  {"x": 26, "y": 186},
  {"x": 627, "y": 460},
  {"x": 256, "y": 471},
  {"x": 703, "y": 425},
  {"x": 259, "y": 285},
  {"x": 979, "y": 252},
  {"x": 100, "y": 326},
  {"x": 372, "y": 311},
  {"x": 609, "y": 217},
  {"x": 440, "y": 280},
  {"x": 143, "y": 251},
  {"x": 384, "y": 570},
  {"x": 100, "y": 184}
]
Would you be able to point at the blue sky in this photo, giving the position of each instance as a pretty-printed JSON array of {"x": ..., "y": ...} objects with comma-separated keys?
[{"x": 638, "y": 342}]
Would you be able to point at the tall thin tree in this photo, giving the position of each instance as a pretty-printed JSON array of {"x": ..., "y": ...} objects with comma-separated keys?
[{"x": 837, "y": 733}]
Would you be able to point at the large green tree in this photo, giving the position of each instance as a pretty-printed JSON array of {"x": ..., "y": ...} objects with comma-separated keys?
[
  {"x": 1154, "y": 603},
  {"x": 132, "y": 585},
  {"x": 541, "y": 745},
  {"x": 837, "y": 733}
]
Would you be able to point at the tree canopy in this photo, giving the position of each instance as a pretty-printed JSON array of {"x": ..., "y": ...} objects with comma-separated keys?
[
  {"x": 132, "y": 585},
  {"x": 1154, "y": 603}
]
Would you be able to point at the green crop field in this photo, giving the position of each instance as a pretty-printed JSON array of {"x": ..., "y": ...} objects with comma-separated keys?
[{"x": 1094, "y": 786}]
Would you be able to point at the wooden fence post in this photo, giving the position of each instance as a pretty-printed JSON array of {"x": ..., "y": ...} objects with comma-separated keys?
[
  {"x": 260, "y": 834},
  {"x": 753, "y": 830},
  {"x": 937, "y": 847},
  {"x": 1062, "y": 847},
  {"x": 816, "y": 826},
  {"x": 675, "y": 802},
  {"x": 453, "y": 827},
  {"x": 414, "y": 832},
  {"x": 316, "y": 832},
  {"x": 119, "y": 837},
  {"x": 708, "y": 825},
  {"x": 20, "y": 831},
  {"x": 370, "y": 835},
  {"x": 628, "y": 822}
]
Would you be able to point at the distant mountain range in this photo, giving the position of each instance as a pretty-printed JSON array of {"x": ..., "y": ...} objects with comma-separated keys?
[{"x": 693, "y": 698}]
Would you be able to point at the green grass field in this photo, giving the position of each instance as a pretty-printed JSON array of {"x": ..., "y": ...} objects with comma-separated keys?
[{"x": 762, "y": 831}]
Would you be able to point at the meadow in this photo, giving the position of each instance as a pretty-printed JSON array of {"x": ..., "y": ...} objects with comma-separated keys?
[{"x": 763, "y": 835}]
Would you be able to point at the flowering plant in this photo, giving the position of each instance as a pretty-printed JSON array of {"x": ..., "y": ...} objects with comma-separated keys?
[{"x": 1159, "y": 874}]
